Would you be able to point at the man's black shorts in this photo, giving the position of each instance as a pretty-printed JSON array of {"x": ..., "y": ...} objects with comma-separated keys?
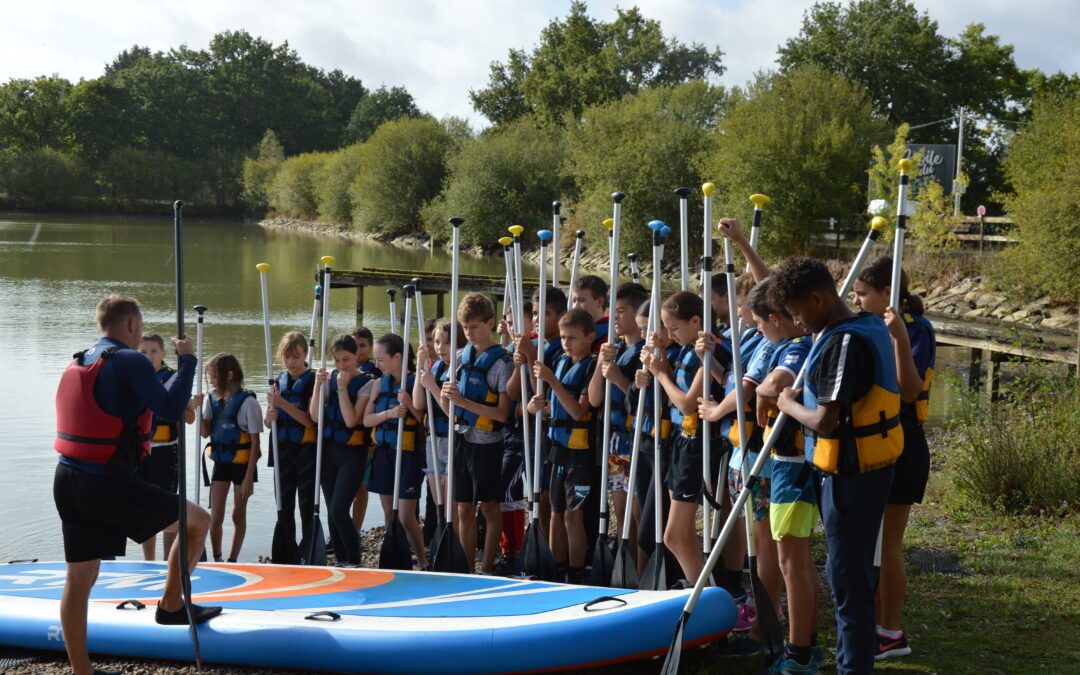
[
  {"x": 160, "y": 467},
  {"x": 98, "y": 513},
  {"x": 478, "y": 471},
  {"x": 232, "y": 473},
  {"x": 571, "y": 487}
]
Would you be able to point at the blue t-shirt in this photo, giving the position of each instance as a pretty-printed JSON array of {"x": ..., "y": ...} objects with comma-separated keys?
[{"x": 756, "y": 352}]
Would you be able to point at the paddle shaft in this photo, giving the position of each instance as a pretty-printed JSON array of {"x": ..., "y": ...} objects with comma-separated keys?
[
  {"x": 451, "y": 422},
  {"x": 658, "y": 460},
  {"x": 528, "y": 447},
  {"x": 541, "y": 345},
  {"x": 270, "y": 383},
  {"x": 316, "y": 308},
  {"x": 198, "y": 392},
  {"x": 428, "y": 400},
  {"x": 327, "y": 274},
  {"x": 684, "y": 239},
  {"x": 517, "y": 314},
  {"x": 613, "y": 276},
  {"x": 707, "y": 363},
  {"x": 577, "y": 258},
  {"x": 556, "y": 254},
  {"x": 401, "y": 388}
]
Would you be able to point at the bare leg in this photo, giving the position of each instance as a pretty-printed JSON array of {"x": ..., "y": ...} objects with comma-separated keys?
[
  {"x": 239, "y": 519},
  {"x": 466, "y": 526},
  {"x": 219, "y": 494},
  {"x": 359, "y": 506},
  {"x": 557, "y": 538},
  {"x": 493, "y": 518},
  {"x": 768, "y": 567},
  {"x": 892, "y": 586},
  {"x": 576, "y": 541},
  {"x": 168, "y": 537},
  {"x": 545, "y": 512},
  {"x": 407, "y": 518},
  {"x": 73, "y": 607},
  {"x": 149, "y": 548},
  {"x": 680, "y": 536},
  {"x": 387, "y": 502},
  {"x": 198, "y": 522},
  {"x": 800, "y": 577}
]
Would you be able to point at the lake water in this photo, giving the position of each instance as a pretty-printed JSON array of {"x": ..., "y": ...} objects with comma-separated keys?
[{"x": 54, "y": 270}]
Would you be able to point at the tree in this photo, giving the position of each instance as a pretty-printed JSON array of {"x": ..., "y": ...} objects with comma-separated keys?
[
  {"x": 505, "y": 176},
  {"x": 45, "y": 177},
  {"x": 402, "y": 167},
  {"x": 801, "y": 138},
  {"x": 346, "y": 92},
  {"x": 1041, "y": 168},
  {"x": 581, "y": 62},
  {"x": 333, "y": 182},
  {"x": 32, "y": 115},
  {"x": 135, "y": 174},
  {"x": 292, "y": 189},
  {"x": 259, "y": 170},
  {"x": 377, "y": 107},
  {"x": 644, "y": 145}
]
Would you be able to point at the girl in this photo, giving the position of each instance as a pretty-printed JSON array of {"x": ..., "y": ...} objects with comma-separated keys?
[
  {"x": 287, "y": 404},
  {"x": 431, "y": 378},
  {"x": 345, "y": 443},
  {"x": 914, "y": 349},
  {"x": 682, "y": 316},
  {"x": 231, "y": 419},
  {"x": 389, "y": 402}
]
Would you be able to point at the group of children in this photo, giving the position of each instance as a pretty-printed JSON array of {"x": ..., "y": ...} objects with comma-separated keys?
[{"x": 851, "y": 453}]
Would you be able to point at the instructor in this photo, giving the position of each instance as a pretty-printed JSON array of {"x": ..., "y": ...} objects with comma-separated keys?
[{"x": 105, "y": 405}]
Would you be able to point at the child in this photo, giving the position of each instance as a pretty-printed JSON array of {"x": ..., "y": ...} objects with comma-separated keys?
[
  {"x": 345, "y": 442},
  {"x": 513, "y": 480},
  {"x": 482, "y": 406},
  {"x": 160, "y": 466},
  {"x": 287, "y": 404},
  {"x": 573, "y": 451},
  {"x": 431, "y": 374},
  {"x": 681, "y": 315},
  {"x": 389, "y": 402},
  {"x": 792, "y": 501},
  {"x": 231, "y": 419},
  {"x": 914, "y": 344},
  {"x": 850, "y": 408},
  {"x": 590, "y": 293},
  {"x": 364, "y": 341},
  {"x": 617, "y": 364}
]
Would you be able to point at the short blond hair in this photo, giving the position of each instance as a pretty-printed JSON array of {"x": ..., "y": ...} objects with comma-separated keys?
[{"x": 114, "y": 309}]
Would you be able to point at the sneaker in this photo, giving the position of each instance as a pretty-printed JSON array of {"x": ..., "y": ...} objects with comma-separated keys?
[
  {"x": 180, "y": 617},
  {"x": 889, "y": 647},
  {"x": 505, "y": 565},
  {"x": 744, "y": 616},
  {"x": 817, "y": 653},
  {"x": 785, "y": 665},
  {"x": 738, "y": 646}
]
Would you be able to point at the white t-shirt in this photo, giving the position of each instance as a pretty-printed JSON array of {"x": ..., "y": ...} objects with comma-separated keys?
[{"x": 249, "y": 418}]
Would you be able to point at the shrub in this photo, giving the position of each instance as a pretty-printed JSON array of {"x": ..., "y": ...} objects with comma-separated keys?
[
  {"x": 292, "y": 191},
  {"x": 45, "y": 177},
  {"x": 332, "y": 184}
]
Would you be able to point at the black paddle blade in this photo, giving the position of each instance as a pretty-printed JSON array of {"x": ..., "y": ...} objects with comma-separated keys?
[
  {"x": 768, "y": 623},
  {"x": 536, "y": 560},
  {"x": 312, "y": 549},
  {"x": 283, "y": 549},
  {"x": 435, "y": 538},
  {"x": 654, "y": 578},
  {"x": 674, "y": 652},
  {"x": 395, "y": 553},
  {"x": 449, "y": 556},
  {"x": 624, "y": 572},
  {"x": 603, "y": 563}
]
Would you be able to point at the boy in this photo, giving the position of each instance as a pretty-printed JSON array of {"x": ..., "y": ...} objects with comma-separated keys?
[
  {"x": 850, "y": 408},
  {"x": 479, "y": 396},
  {"x": 590, "y": 293},
  {"x": 573, "y": 455},
  {"x": 159, "y": 467},
  {"x": 792, "y": 502},
  {"x": 364, "y": 343}
]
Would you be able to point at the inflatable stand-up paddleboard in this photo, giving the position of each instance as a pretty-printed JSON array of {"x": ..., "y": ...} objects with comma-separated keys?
[{"x": 359, "y": 620}]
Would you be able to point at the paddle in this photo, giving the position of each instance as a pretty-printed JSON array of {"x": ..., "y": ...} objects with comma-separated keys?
[
  {"x": 449, "y": 556},
  {"x": 654, "y": 577},
  {"x": 393, "y": 311},
  {"x": 395, "y": 553},
  {"x": 536, "y": 559},
  {"x": 556, "y": 252},
  {"x": 281, "y": 547},
  {"x": 316, "y": 309},
  {"x": 434, "y": 463},
  {"x": 577, "y": 257},
  {"x": 635, "y": 271},
  {"x": 759, "y": 201},
  {"x": 181, "y": 460},
  {"x": 312, "y": 550},
  {"x": 200, "y": 459},
  {"x": 684, "y": 243},
  {"x": 706, "y": 392},
  {"x": 771, "y": 635},
  {"x": 671, "y": 661}
]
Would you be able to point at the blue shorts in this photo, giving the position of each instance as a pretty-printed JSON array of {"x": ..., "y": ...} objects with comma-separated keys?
[
  {"x": 382, "y": 472},
  {"x": 793, "y": 506}
]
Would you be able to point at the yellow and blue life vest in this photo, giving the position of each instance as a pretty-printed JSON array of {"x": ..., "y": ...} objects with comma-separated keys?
[
  {"x": 791, "y": 441},
  {"x": 627, "y": 362},
  {"x": 297, "y": 392},
  {"x": 920, "y": 409},
  {"x": 869, "y": 435},
  {"x": 563, "y": 430},
  {"x": 473, "y": 385},
  {"x": 387, "y": 399},
  {"x": 228, "y": 442},
  {"x": 750, "y": 341},
  {"x": 334, "y": 428},
  {"x": 441, "y": 371},
  {"x": 164, "y": 432},
  {"x": 686, "y": 365},
  {"x": 647, "y": 420}
]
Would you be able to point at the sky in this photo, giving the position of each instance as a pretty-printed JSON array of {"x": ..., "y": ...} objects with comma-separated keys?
[{"x": 439, "y": 49}]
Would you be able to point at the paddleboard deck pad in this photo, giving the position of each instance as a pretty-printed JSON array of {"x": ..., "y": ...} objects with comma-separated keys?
[{"x": 361, "y": 620}]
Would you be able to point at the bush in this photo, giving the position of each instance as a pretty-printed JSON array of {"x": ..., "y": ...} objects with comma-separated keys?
[
  {"x": 292, "y": 191},
  {"x": 333, "y": 182},
  {"x": 402, "y": 167},
  {"x": 134, "y": 174},
  {"x": 1023, "y": 454},
  {"x": 259, "y": 171},
  {"x": 503, "y": 177},
  {"x": 45, "y": 177}
]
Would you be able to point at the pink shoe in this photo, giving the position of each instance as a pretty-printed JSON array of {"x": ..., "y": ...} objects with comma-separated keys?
[{"x": 744, "y": 616}]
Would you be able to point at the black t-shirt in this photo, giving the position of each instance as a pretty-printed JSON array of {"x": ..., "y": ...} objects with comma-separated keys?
[{"x": 845, "y": 371}]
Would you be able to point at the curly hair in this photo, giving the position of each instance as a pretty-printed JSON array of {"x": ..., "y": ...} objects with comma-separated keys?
[
  {"x": 797, "y": 278},
  {"x": 761, "y": 300}
]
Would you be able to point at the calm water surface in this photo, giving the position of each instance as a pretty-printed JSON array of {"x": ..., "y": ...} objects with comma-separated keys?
[{"x": 54, "y": 270}]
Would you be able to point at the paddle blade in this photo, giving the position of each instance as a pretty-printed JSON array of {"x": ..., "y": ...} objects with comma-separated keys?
[
  {"x": 395, "y": 553},
  {"x": 435, "y": 538},
  {"x": 603, "y": 563},
  {"x": 449, "y": 556},
  {"x": 312, "y": 549},
  {"x": 768, "y": 623},
  {"x": 536, "y": 560},
  {"x": 283, "y": 549},
  {"x": 654, "y": 578},
  {"x": 671, "y": 661},
  {"x": 624, "y": 573}
]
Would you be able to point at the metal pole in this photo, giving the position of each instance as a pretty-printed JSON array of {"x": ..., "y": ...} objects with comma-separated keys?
[{"x": 959, "y": 164}]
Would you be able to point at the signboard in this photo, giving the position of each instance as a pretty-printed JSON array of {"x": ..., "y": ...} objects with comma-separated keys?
[{"x": 938, "y": 162}]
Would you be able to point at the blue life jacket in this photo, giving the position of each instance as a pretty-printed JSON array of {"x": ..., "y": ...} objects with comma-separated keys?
[
  {"x": 369, "y": 368},
  {"x": 473, "y": 385},
  {"x": 686, "y": 365},
  {"x": 228, "y": 442},
  {"x": 564, "y": 430},
  {"x": 628, "y": 361},
  {"x": 920, "y": 409},
  {"x": 387, "y": 399},
  {"x": 298, "y": 393},
  {"x": 164, "y": 432},
  {"x": 441, "y": 371},
  {"x": 869, "y": 435},
  {"x": 749, "y": 342},
  {"x": 334, "y": 428},
  {"x": 672, "y": 353}
]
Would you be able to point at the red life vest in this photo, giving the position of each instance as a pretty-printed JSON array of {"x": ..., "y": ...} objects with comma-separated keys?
[{"x": 86, "y": 432}]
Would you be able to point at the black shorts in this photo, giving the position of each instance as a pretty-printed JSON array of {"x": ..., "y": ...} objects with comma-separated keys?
[
  {"x": 382, "y": 472},
  {"x": 684, "y": 469},
  {"x": 477, "y": 471},
  {"x": 571, "y": 487},
  {"x": 912, "y": 468},
  {"x": 99, "y": 513},
  {"x": 160, "y": 467},
  {"x": 231, "y": 473}
]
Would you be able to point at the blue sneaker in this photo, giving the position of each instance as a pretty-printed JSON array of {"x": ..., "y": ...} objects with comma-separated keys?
[
  {"x": 817, "y": 655},
  {"x": 784, "y": 665}
]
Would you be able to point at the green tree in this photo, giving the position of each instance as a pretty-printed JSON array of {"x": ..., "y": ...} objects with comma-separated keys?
[
  {"x": 259, "y": 170},
  {"x": 333, "y": 183},
  {"x": 45, "y": 177},
  {"x": 1041, "y": 166},
  {"x": 136, "y": 174},
  {"x": 377, "y": 107},
  {"x": 802, "y": 139},
  {"x": 644, "y": 145},
  {"x": 505, "y": 176},
  {"x": 292, "y": 189},
  {"x": 402, "y": 167},
  {"x": 581, "y": 62},
  {"x": 32, "y": 115}
]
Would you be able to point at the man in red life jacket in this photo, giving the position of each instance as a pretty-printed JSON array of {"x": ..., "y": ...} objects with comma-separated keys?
[{"x": 105, "y": 405}]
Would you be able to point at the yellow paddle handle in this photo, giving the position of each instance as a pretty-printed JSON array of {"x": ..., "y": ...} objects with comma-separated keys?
[
  {"x": 263, "y": 267},
  {"x": 708, "y": 189},
  {"x": 759, "y": 200},
  {"x": 516, "y": 230}
]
